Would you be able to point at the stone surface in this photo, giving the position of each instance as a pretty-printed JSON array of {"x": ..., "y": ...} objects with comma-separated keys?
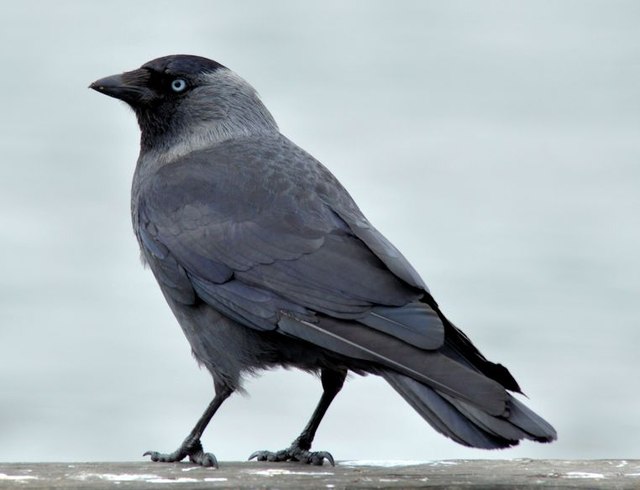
[{"x": 512, "y": 474}]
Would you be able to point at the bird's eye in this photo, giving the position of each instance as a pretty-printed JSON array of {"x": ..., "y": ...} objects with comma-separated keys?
[{"x": 178, "y": 85}]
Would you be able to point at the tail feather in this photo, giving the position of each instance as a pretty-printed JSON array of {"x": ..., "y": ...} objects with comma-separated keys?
[
  {"x": 495, "y": 426},
  {"x": 528, "y": 420},
  {"x": 467, "y": 424},
  {"x": 440, "y": 414}
]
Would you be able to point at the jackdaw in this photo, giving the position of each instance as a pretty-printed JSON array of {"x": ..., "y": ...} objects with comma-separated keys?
[{"x": 266, "y": 261}]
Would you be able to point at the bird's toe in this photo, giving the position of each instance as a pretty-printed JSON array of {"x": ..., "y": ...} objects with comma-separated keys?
[
  {"x": 294, "y": 453},
  {"x": 318, "y": 458},
  {"x": 163, "y": 457},
  {"x": 204, "y": 459},
  {"x": 191, "y": 448},
  {"x": 272, "y": 456}
]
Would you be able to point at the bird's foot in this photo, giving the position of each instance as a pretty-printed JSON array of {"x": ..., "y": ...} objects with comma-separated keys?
[
  {"x": 191, "y": 448},
  {"x": 295, "y": 453}
]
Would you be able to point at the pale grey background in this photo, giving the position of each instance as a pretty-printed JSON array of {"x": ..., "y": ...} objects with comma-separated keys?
[{"x": 495, "y": 143}]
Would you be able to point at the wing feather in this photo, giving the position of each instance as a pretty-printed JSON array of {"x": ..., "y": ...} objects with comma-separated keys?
[{"x": 257, "y": 237}]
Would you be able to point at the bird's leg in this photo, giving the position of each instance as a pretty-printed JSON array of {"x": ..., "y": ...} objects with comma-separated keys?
[
  {"x": 192, "y": 446},
  {"x": 332, "y": 382}
]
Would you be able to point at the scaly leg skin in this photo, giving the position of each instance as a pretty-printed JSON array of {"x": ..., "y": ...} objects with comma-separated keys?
[
  {"x": 190, "y": 447},
  {"x": 332, "y": 382}
]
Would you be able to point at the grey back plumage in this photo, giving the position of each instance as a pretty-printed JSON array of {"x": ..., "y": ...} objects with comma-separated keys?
[{"x": 259, "y": 228}]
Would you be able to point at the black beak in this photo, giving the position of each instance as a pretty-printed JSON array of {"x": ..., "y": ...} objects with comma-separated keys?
[{"x": 130, "y": 87}]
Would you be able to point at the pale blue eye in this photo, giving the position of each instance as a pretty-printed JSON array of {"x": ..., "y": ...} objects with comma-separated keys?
[{"x": 178, "y": 85}]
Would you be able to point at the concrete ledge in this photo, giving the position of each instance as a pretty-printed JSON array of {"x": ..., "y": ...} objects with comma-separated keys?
[{"x": 512, "y": 474}]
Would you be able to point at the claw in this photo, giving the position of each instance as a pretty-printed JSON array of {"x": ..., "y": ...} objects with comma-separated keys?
[
  {"x": 204, "y": 459},
  {"x": 191, "y": 448},
  {"x": 294, "y": 453},
  {"x": 320, "y": 456},
  {"x": 154, "y": 455},
  {"x": 258, "y": 455}
]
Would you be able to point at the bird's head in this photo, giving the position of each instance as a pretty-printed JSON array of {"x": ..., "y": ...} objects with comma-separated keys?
[{"x": 188, "y": 100}]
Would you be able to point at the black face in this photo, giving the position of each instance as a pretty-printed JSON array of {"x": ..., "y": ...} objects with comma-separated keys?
[
  {"x": 156, "y": 81},
  {"x": 155, "y": 90}
]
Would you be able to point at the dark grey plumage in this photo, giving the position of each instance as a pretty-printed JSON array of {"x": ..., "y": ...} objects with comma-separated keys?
[{"x": 266, "y": 261}]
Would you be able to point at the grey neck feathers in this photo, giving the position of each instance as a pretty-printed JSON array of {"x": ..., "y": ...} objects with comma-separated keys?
[{"x": 223, "y": 106}]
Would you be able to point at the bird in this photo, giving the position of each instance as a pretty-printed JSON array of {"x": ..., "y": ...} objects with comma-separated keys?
[{"x": 266, "y": 261}]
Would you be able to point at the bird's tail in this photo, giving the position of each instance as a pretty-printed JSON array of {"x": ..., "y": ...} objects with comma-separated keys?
[
  {"x": 470, "y": 425},
  {"x": 462, "y": 420},
  {"x": 454, "y": 387}
]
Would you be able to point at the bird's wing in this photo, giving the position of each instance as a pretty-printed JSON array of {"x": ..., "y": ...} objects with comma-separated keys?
[{"x": 258, "y": 228}]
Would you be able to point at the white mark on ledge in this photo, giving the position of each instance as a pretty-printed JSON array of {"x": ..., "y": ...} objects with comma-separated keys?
[
  {"x": 4, "y": 476},
  {"x": 114, "y": 477},
  {"x": 393, "y": 463},
  {"x": 583, "y": 474},
  {"x": 288, "y": 472}
]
